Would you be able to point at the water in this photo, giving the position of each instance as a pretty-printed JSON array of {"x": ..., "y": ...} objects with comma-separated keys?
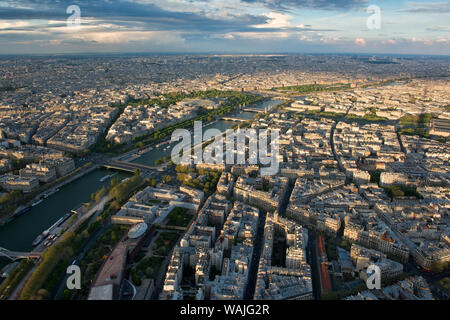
[
  {"x": 394, "y": 84},
  {"x": 267, "y": 103},
  {"x": 149, "y": 158},
  {"x": 20, "y": 233}
]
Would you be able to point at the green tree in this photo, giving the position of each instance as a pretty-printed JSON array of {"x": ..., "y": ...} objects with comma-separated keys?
[
  {"x": 167, "y": 179},
  {"x": 437, "y": 267}
]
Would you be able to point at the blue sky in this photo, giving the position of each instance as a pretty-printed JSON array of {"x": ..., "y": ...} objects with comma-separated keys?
[{"x": 226, "y": 26}]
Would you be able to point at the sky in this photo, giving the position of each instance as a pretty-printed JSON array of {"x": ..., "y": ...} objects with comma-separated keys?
[{"x": 224, "y": 26}]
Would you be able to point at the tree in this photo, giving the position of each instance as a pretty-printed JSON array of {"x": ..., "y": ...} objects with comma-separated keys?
[
  {"x": 115, "y": 205},
  {"x": 137, "y": 172},
  {"x": 97, "y": 196},
  {"x": 149, "y": 272},
  {"x": 43, "y": 294},
  {"x": 437, "y": 267},
  {"x": 67, "y": 253},
  {"x": 67, "y": 294}
]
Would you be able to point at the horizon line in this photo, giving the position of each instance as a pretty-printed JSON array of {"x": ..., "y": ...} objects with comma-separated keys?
[{"x": 187, "y": 53}]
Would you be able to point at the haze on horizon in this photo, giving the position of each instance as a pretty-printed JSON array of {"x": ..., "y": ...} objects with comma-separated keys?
[{"x": 225, "y": 26}]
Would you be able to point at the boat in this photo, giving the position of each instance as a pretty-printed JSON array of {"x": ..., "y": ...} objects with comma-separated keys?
[
  {"x": 107, "y": 177},
  {"x": 50, "y": 193},
  {"x": 7, "y": 221},
  {"x": 58, "y": 223},
  {"x": 22, "y": 212},
  {"x": 36, "y": 203},
  {"x": 38, "y": 240}
]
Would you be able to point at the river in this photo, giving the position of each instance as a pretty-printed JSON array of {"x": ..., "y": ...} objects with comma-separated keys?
[
  {"x": 20, "y": 233},
  {"x": 150, "y": 157}
]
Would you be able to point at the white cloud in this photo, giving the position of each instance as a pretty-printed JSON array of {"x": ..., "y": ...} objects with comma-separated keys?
[
  {"x": 277, "y": 20},
  {"x": 15, "y": 24},
  {"x": 121, "y": 37},
  {"x": 360, "y": 42}
]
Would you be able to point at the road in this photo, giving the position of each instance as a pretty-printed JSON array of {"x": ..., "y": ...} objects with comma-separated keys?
[
  {"x": 159, "y": 281},
  {"x": 287, "y": 197},
  {"x": 431, "y": 279},
  {"x": 313, "y": 256},
  {"x": 16, "y": 292},
  {"x": 333, "y": 148},
  {"x": 253, "y": 272},
  {"x": 88, "y": 246}
]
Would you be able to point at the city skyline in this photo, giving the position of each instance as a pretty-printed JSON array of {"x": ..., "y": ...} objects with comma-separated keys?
[{"x": 238, "y": 26}]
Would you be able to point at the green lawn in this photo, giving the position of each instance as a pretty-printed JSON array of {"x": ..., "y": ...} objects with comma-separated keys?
[
  {"x": 165, "y": 242},
  {"x": 179, "y": 217}
]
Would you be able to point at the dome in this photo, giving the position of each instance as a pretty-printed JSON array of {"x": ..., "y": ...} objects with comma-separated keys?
[{"x": 137, "y": 230}]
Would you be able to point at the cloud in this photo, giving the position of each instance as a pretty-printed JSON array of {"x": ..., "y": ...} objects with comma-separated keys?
[
  {"x": 389, "y": 43},
  {"x": 128, "y": 13},
  {"x": 427, "y": 7},
  {"x": 143, "y": 16},
  {"x": 308, "y": 4},
  {"x": 422, "y": 41},
  {"x": 277, "y": 20},
  {"x": 360, "y": 42},
  {"x": 122, "y": 37},
  {"x": 439, "y": 28},
  {"x": 271, "y": 25}
]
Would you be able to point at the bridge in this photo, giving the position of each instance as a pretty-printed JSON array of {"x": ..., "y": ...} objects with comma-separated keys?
[
  {"x": 129, "y": 166},
  {"x": 235, "y": 119},
  {"x": 257, "y": 110},
  {"x": 16, "y": 255}
]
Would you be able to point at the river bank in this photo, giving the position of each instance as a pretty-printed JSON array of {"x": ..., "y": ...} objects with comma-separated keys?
[
  {"x": 47, "y": 188},
  {"x": 149, "y": 158},
  {"x": 19, "y": 234}
]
